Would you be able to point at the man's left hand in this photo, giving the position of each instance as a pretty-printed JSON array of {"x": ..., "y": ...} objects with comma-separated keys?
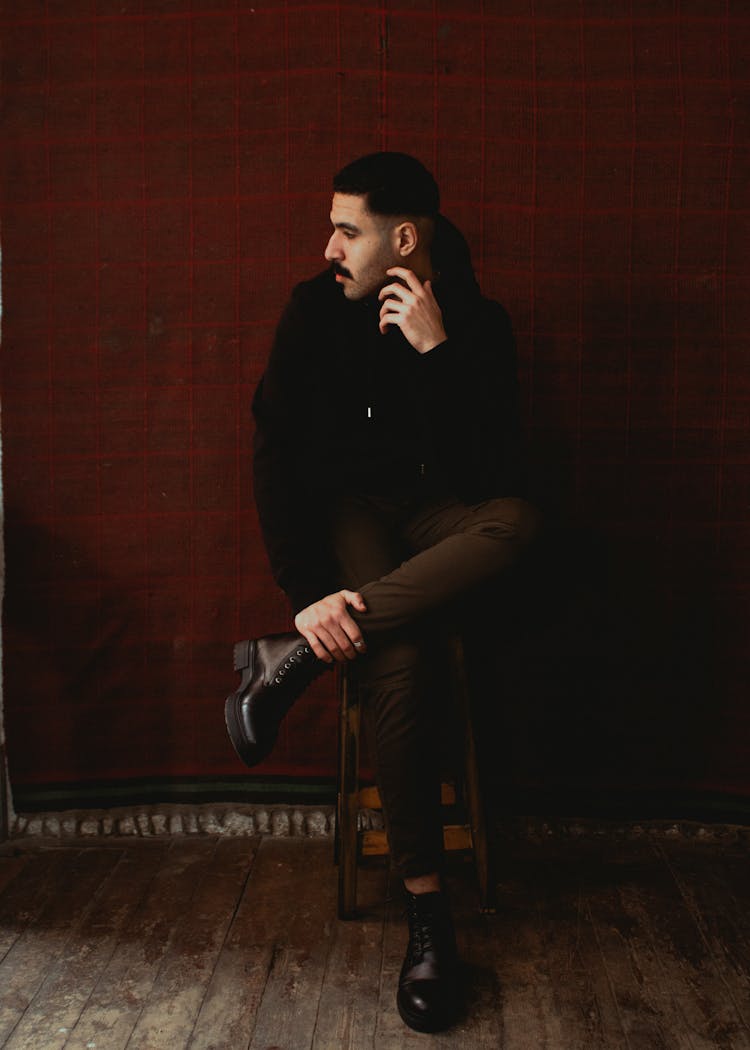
[{"x": 414, "y": 308}]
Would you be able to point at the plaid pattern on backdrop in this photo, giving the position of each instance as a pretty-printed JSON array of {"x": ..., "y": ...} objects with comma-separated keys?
[{"x": 166, "y": 171}]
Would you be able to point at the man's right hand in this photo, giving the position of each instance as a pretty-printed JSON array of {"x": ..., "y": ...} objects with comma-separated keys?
[{"x": 330, "y": 630}]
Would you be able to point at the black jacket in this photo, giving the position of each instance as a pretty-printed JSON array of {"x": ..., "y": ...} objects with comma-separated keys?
[{"x": 343, "y": 408}]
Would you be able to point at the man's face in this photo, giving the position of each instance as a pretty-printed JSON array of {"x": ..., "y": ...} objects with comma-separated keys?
[{"x": 361, "y": 246}]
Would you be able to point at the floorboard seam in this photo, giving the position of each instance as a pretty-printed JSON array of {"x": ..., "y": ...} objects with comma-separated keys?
[
  {"x": 694, "y": 912},
  {"x": 676, "y": 1005},
  {"x": 72, "y": 931},
  {"x": 387, "y": 914},
  {"x": 228, "y": 930},
  {"x": 103, "y": 969},
  {"x": 269, "y": 971},
  {"x": 167, "y": 945},
  {"x": 21, "y": 931},
  {"x": 610, "y": 983},
  {"x": 106, "y": 963}
]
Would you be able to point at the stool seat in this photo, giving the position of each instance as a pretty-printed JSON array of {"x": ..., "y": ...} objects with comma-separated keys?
[{"x": 351, "y": 842}]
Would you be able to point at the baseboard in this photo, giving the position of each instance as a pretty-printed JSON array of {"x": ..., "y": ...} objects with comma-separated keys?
[
  {"x": 177, "y": 820},
  {"x": 288, "y": 802},
  {"x": 300, "y": 821},
  {"x": 627, "y": 804}
]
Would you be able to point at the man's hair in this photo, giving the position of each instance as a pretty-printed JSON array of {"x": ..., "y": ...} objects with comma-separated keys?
[{"x": 391, "y": 183}]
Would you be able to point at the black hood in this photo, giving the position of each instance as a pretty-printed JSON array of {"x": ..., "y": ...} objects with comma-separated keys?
[{"x": 451, "y": 258}]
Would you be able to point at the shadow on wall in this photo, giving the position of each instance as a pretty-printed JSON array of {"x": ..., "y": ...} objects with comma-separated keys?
[
  {"x": 608, "y": 658},
  {"x": 593, "y": 683},
  {"x": 600, "y": 677},
  {"x": 81, "y": 694}
]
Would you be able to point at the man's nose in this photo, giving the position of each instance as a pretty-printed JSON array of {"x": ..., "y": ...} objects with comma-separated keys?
[{"x": 333, "y": 250}]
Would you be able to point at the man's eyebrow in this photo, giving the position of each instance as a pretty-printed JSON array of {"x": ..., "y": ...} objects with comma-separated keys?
[{"x": 346, "y": 226}]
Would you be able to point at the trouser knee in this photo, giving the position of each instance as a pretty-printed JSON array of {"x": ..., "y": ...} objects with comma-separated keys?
[{"x": 508, "y": 521}]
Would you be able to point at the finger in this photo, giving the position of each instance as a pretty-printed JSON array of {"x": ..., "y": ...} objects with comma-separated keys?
[
  {"x": 407, "y": 275},
  {"x": 355, "y": 643},
  {"x": 394, "y": 306},
  {"x": 390, "y": 306},
  {"x": 344, "y": 644},
  {"x": 404, "y": 295},
  {"x": 396, "y": 293},
  {"x": 331, "y": 643},
  {"x": 317, "y": 646},
  {"x": 354, "y": 598},
  {"x": 389, "y": 317}
]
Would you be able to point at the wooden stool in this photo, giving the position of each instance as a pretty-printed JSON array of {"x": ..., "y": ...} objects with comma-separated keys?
[
  {"x": 350, "y": 799},
  {"x": 4, "y": 800}
]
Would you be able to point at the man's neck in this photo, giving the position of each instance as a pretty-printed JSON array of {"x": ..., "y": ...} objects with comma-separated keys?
[{"x": 421, "y": 264}]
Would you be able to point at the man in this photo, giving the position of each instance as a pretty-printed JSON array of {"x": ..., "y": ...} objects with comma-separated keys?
[{"x": 386, "y": 476}]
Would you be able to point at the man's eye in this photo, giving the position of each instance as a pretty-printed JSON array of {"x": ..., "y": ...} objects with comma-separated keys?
[{"x": 349, "y": 235}]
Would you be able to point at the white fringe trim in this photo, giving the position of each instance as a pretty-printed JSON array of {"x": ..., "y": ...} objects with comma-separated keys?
[
  {"x": 175, "y": 819},
  {"x": 287, "y": 821}
]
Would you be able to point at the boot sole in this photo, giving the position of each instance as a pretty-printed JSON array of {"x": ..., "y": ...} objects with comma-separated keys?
[{"x": 419, "y": 1023}]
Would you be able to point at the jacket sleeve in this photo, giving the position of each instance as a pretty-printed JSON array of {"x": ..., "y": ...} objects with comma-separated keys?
[
  {"x": 472, "y": 385},
  {"x": 291, "y": 517}
]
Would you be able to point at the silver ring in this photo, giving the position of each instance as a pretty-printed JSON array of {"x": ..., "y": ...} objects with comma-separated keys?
[{"x": 358, "y": 645}]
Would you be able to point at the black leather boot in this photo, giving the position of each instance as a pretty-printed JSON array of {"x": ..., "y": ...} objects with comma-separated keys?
[
  {"x": 275, "y": 670},
  {"x": 428, "y": 989}
]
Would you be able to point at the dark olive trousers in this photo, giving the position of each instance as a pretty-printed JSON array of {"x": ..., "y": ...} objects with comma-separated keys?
[{"x": 415, "y": 556}]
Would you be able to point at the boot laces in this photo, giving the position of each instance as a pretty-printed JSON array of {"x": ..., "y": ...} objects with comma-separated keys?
[
  {"x": 305, "y": 667},
  {"x": 423, "y": 933}
]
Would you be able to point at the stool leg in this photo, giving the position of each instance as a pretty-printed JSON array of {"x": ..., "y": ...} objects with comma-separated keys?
[
  {"x": 339, "y": 771},
  {"x": 472, "y": 788},
  {"x": 4, "y": 801},
  {"x": 348, "y": 794}
]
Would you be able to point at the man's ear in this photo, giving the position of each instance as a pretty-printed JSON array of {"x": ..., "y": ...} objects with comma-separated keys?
[{"x": 407, "y": 238}]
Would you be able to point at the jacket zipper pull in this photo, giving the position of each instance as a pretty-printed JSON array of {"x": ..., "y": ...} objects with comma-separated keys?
[{"x": 369, "y": 411}]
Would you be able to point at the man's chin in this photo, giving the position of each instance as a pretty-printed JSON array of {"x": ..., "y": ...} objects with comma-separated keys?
[
  {"x": 355, "y": 290},
  {"x": 349, "y": 288}
]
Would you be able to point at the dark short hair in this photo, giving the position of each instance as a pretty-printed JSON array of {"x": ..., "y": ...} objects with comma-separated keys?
[{"x": 392, "y": 183}]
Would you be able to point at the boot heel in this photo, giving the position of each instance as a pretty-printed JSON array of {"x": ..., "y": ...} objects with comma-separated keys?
[{"x": 242, "y": 655}]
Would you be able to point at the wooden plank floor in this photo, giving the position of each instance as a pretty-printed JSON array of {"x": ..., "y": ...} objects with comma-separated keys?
[{"x": 228, "y": 944}]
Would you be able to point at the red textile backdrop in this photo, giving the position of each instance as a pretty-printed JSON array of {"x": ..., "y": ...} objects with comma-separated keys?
[{"x": 166, "y": 172}]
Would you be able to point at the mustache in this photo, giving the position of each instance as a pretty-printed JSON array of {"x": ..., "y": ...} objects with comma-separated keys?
[{"x": 341, "y": 270}]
